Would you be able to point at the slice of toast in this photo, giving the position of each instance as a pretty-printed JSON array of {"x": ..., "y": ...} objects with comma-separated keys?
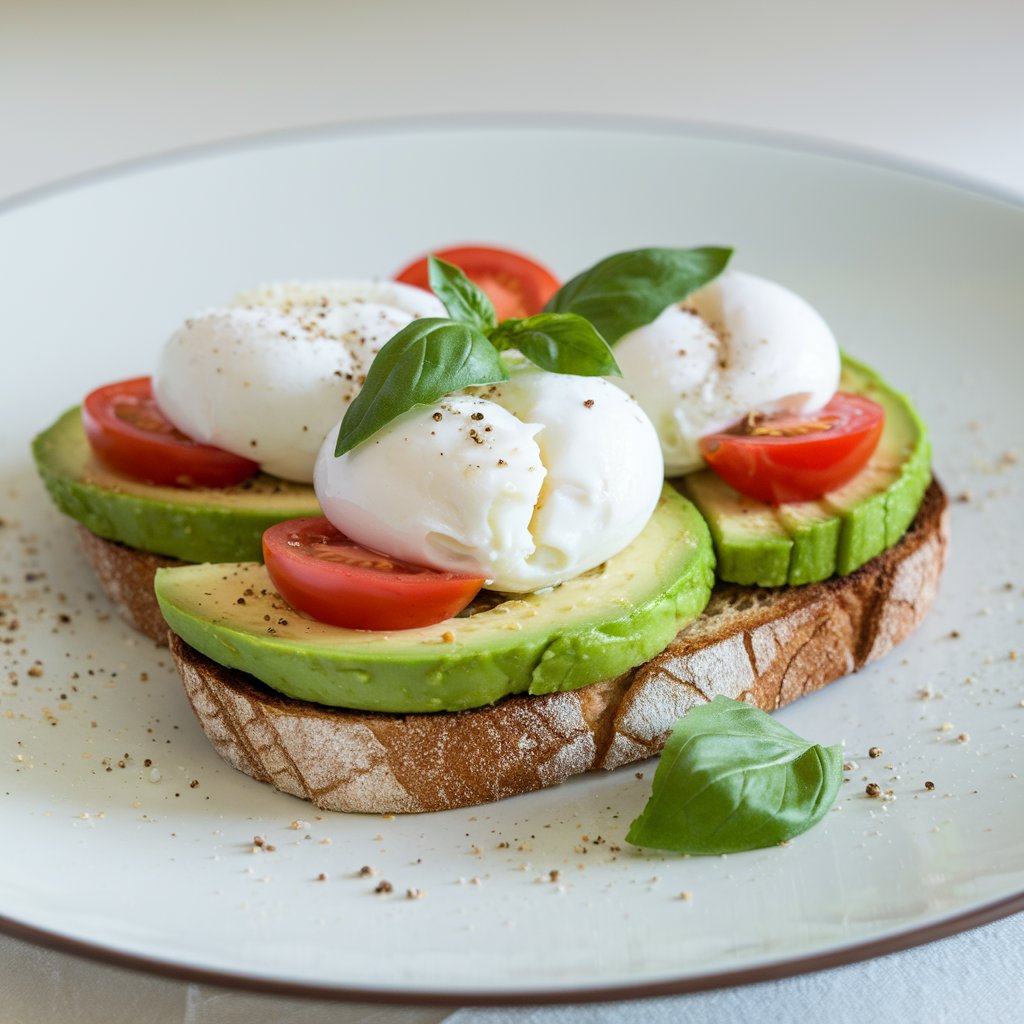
[{"x": 765, "y": 646}]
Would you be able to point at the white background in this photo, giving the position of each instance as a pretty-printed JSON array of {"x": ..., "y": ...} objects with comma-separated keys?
[
  {"x": 83, "y": 85},
  {"x": 86, "y": 85}
]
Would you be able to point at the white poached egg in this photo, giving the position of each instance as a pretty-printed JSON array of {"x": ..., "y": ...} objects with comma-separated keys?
[
  {"x": 266, "y": 377},
  {"x": 740, "y": 344},
  {"x": 526, "y": 483}
]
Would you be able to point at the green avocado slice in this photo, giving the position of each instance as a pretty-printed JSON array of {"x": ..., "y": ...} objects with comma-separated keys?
[
  {"x": 804, "y": 542},
  {"x": 590, "y": 628},
  {"x": 202, "y": 524}
]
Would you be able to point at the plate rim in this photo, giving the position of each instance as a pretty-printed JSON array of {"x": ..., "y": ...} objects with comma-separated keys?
[
  {"x": 787, "y": 142},
  {"x": 787, "y": 968}
]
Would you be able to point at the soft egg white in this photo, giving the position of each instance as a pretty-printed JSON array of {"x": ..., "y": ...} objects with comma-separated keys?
[
  {"x": 267, "y": 377},
  {"x": 740, "y": 344},
  {"x": 526, "y": 483}
]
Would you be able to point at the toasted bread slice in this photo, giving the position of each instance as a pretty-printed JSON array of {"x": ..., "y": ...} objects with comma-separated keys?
[{"x": 765, "y": 646}]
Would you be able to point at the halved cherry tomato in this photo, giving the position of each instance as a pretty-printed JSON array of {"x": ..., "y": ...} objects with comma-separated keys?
[
  {"x": 797, "y": 458},
  {"x": 132, "y": 436},
  {"x": 319, "y": 571},
  {"x": 516, "y": 285}
]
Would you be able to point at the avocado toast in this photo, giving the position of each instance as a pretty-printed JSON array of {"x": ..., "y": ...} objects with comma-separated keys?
[
  {"x": 565, "y": 664},
  {"x": 768, "y": 645},
  {"x": 855, "y": 572}
]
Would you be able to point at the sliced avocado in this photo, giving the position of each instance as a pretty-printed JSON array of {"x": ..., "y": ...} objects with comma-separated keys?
[
  {"x": 803, "y": 542},
  {"x": 751, "y": 546},
  {"x": 202, "y": 524},
  {"x": 593, "y": 627},
  {"x": 815, "y": 532}
]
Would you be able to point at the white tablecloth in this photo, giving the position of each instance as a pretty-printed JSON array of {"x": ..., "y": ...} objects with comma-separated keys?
[{"x": 936, "y": 82}]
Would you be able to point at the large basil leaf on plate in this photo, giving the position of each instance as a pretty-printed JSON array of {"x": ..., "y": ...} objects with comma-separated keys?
[{"x": 733, "y": 778}]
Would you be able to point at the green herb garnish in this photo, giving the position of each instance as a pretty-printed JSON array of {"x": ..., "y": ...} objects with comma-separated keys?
[
  {"x": 431, "y": 358},
  {"x": 732, "y": 778},
  {"x": 630, "y": 289},
  {"x": 559, "y": 342},
  {"x": 464, "y": 301},
  {"x": 424, "y": 361}
]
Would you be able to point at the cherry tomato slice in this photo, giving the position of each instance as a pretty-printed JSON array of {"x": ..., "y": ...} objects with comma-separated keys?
[
  {"x": 784, "y": 457},
  {"x": 516, "y": 285},
  {"x": 132, "y": 436},
  {"x": 319, "y": 571}
]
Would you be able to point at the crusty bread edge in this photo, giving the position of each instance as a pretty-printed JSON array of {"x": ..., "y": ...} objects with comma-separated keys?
[
  {"x": 767, "y": 647},
  {"x": 125, "y": 575}
]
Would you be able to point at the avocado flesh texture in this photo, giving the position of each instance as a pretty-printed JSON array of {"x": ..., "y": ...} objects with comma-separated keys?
[
  {"x": 200, "y": 524},
  {"x": 803, "y": 542},
  {"x": 593, "y": 627}
]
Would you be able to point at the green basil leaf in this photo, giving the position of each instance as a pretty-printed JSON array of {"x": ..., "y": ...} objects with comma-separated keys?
[
  {"x": 630, "y": 289},
  {"x": 732, "y": 778},
  {"x": 463, "y": 300},
  {"x": 559, "y": 342},
  {"x": 424, "y": 361}
]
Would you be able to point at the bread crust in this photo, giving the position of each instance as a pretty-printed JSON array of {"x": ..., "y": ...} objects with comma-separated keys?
[
  {"x": 126, "y": 576},
  {"x": 767, "y": 647}
]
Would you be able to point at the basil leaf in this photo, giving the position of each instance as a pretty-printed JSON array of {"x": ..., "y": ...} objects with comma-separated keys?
[
  {"x": 732, "y": 778},
  {"x": 559, "y": 342},
  {"x": 463, "y": 300},
  {"x": 630, "y": 289},
  {"x": 424, "y": 361}
]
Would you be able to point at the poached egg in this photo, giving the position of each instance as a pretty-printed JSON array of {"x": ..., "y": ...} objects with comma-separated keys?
[
  {"x": 266, "y": 377},
  {"x": 525, "y": 483},
  {"x": 741, "y": 344}
]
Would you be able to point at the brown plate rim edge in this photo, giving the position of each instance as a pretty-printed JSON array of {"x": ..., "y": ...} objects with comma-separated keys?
[{"x": 917, "y": 936}]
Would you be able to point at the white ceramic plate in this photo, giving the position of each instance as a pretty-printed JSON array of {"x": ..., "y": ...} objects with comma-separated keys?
[{"x": 152, "y": 864}]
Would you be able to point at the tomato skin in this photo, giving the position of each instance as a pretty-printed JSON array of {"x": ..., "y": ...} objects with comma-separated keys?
[
  {"x": 322, "y": 573},
  {"x": 129, "y": 434},
  {"x": 809, "y": 456},
  {"x": 517, "y": 285}
]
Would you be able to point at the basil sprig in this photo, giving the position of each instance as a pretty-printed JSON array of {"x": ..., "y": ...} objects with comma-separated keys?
[
  {"x": 463, "y": 300},
  {"x": 630, "y": 289},
  {"x": 732, "y": 778},
  {"x": 431, "y": 358},
  {"x": 559, "y": 342},
  {"x": 423, "y": 362}
]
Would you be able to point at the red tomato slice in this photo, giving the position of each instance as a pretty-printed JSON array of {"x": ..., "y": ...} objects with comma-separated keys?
[
  {"x": 132, "y": 436},
  {"x": 797, "y": 458},
  {"x": 516, "y": 285},
  {"x": 319, "y": 571}
]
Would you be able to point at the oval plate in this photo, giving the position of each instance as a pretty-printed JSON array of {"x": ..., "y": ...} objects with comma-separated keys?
[{"x": 128, "y": 840}]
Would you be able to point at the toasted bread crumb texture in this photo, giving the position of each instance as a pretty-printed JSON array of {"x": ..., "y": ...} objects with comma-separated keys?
[{"x": 767, "y": 647}]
